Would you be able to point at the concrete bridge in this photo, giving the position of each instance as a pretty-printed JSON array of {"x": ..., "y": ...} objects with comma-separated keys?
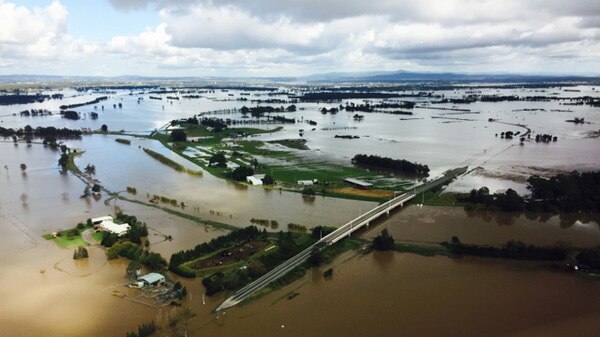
[{"x": 335, "y": 236}]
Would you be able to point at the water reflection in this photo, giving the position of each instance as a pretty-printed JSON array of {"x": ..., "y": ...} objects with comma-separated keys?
[{"x": 384, "y": 260}]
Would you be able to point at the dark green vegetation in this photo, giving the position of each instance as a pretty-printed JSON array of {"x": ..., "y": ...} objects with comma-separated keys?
[
  {"x": 222, "y": 242},
  {"x": 144, "y": 330},
  {"x": 135, "y": 252},
  {"x": 26, "y": 99},
  {"x": 172, "y": 164},
  {"x": 565, "y": 192},
  {"x": 298, "y": 144},
  {"x": 589, "y": 259},
  {"x": 235, "y": 276},
  {"x": 80, "y": 253},
  {"x": 70, "y": 237},
  {"x": 218, "y": 160},
  {"x": 240, "y": 173},
  {"x": 282, "y": 168},
  {"x": 395, "y": 165},
  {"x": 383, "y": 241},
  {"x": 511, "y": 250},
  {"x": 48, "y": 133},
  {"x": 572, "y": 192},
  {"x": 508, "y": 201},
  {"x": 333, "y": 96},
  {"x": 123, "y": 141},
  {"x": 178, "y": 136},
  {"x": 130, "y": 245},
  {"x": 70, "y": 114},
  {"x": 73, "y": 106}
]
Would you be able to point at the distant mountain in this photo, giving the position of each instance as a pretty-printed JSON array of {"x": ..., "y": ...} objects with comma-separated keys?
[
  {"x": 334, "y": 77},
  {"x": 407, "y": 76}
]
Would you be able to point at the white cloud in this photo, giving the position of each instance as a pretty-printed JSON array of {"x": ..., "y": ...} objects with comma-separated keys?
[
  {"x": 296, "y": 37},
  {"x": 38, "y": 37}
]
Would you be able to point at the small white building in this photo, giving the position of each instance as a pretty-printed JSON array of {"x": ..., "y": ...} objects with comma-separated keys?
[
  {"x": 254, "y": 180},
  {"x": 307, "y": 182},
  {"x": 111, "y": 227},
  {"x": 99, "y": 220},
  {"x": 152, "y": 279}
]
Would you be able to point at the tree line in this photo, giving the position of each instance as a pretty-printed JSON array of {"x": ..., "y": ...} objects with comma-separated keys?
[
  {"x": 40, "y": 132},
  {"x": 565, "y": 192},
  {"x": 396, "y": 165},
  {"x": 77, "y": 105},
  {"x": 224, "y": 241},
  {"x": 510, "y": 250}
]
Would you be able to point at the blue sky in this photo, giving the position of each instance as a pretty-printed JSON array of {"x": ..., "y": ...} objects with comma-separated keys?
[
  {"x": 298, "y": 37},
  {"x": 98, "y": 21}
]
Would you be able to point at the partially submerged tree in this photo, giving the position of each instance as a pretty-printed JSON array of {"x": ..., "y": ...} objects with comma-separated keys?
[{"x": 383, "y": 241}]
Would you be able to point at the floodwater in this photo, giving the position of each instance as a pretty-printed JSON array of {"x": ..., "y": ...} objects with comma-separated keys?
[
  {"x": 442, "y": 139},
  {"x": 45, "y": 292},
  {"x": 119, "y": 166},
  {"x": 392, "y": 294},
  {"x": 434, "y": 224}
]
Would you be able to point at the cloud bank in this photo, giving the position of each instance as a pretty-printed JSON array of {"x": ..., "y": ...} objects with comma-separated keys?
[{"x": 280, "y": 38}]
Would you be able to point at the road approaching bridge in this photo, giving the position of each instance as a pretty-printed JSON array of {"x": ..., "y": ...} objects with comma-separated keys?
[{"x": 335, "y": 236}]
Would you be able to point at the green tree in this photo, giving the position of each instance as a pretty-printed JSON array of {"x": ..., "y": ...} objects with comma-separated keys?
[
  {"x": 316, "y": 258},
  {"x": 63, "y": 160},
  {"x": 240, "y": 173},
  {"x": 218, "y": 160},
  {"x": 23, "y": 167},
  {"x": 104, "y": 127},
  {"x": 383, "y": 241},
  {"x": 178, "y": 136},
  {"x": 268, "y": 180},
  {"x": 132, "y": 267},
  {"x": 308, "y": 192},
  {"x": 90, "y": 169}
]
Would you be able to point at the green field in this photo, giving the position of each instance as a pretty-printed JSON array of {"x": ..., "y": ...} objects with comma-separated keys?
[
  {"x": 63, "y": 240},
  {"x": 286, "y": 167}
]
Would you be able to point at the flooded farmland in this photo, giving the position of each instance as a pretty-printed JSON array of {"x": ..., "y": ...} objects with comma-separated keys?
[{"x": 388, "y": 294}]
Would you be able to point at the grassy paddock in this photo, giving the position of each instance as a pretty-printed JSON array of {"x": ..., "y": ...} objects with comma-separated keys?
[{"x": 172, "y": 164}]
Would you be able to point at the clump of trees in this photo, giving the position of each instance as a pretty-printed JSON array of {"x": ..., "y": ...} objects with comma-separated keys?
[
  {"x": 396, "y": 165},
  {"x": 144, "y": 330},
  {"x": 511, "y": 250},
  {"x": 508, "y": 201},
  {"x": 383, "y": 241},
  {"x": 308, "y": 192},
  {"x": 70, "y": 114},
  {"x": 218, "y": 160},
  {"x": 178, "y": 136},
  {"x": 22, "y": 99},
  {"x": 589, "y": 258},
  {"x": 41, "y": 132},
  {"x": 571, "y": 192},
  {"x": 80, "y": 253},
  {"x": 240, "y": 173},
  {"x": 130, "y": 250},
  {"x": 268, "y": 180},
  {"x": 77, "y": 105},
  {"x": 129, "y": 245}
]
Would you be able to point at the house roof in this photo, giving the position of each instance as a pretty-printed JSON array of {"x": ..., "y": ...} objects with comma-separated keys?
[
  {"x": 102, "y": 218},
  {"x": 112, "y": 227},
  {"x": 358, "y": 182},
  {"x": 151, "y": 278},
  {"x": 254, "y": 180}
]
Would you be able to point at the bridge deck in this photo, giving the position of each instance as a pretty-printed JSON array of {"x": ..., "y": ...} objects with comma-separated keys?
[{"x": 335, "y": 236}]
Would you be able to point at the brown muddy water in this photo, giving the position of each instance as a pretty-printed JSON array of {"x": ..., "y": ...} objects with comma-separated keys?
[
  {"x": 45, "y": 293},
  {"x": 393, "y": 294},
  {"x": 434, "y": 224}
]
